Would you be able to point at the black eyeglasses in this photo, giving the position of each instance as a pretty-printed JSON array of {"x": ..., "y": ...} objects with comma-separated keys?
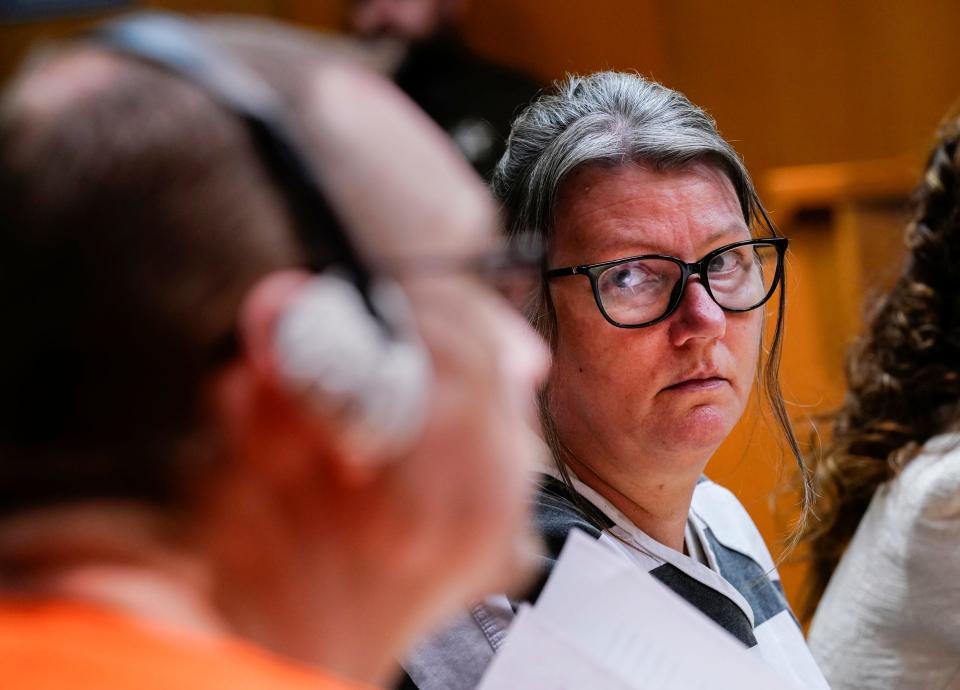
[{"x": 640, "y": 291}]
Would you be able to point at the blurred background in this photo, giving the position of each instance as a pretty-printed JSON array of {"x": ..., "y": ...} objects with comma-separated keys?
[{"x": 832, "y": 105}]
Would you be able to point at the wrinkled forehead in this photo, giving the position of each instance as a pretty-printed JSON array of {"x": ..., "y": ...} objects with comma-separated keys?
[
  {"x": 580, "y": 182},
  {"x": 604, "y": 211},
  {"x": 391, "y": 174}
]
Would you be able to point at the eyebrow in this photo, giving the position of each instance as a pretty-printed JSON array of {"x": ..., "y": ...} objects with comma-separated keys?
[{"x": 629, "y": 246}]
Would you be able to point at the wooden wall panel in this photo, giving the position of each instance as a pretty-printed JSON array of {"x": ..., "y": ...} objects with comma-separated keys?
[
  {"x": 819, "y": 81},
  {"x": 546, "y": 39},
  {"x": 549, "y": 39}
]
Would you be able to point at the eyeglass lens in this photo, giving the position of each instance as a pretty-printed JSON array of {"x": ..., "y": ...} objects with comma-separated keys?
[{"x": 638, "y": 291}]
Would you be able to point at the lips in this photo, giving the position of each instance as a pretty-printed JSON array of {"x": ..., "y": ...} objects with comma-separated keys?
[{"x": 698, "y": 381}]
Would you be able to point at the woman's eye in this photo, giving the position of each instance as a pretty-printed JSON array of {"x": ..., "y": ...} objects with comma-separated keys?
[
  {"x": 631, "y": 279},
  {"x": 628, "y": 277},
  {"x": 726, "y": 262}
]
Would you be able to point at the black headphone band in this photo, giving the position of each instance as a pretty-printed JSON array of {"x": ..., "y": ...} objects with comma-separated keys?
[{"x": 176, "y": 45}]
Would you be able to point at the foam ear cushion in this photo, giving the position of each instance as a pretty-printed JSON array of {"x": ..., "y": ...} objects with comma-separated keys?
[{"x": 373, "y": 385}]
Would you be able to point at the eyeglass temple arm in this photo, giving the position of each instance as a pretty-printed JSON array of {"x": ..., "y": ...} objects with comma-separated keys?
[{"x": 563, "y": 272}]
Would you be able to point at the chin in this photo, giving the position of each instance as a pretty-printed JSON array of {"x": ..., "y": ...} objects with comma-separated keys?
[{"x": 702, "y": 428}]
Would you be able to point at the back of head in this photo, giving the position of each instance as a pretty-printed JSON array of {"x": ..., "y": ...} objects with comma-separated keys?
[
  {"x": 136, "y": 217},
  {"x": 160, "y": 353}
]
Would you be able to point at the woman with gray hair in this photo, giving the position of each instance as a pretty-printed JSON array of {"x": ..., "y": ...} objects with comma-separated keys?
[{"x": 660, "y": 259}]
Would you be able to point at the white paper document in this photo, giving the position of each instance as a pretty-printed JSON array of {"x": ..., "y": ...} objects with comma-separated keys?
[{"x": 601, "y": 623}]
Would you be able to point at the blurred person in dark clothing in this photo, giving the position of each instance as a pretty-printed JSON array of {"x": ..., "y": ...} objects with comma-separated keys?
[{"x": 472, "y": 99}]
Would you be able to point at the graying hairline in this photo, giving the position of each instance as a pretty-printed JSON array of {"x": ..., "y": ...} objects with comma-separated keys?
[
  {"x": 540, "y": 216},
  {"x": 613, "y": 145}
]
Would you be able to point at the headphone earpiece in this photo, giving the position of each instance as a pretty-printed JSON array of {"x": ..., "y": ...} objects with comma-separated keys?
[{"x": 371, "y": 384}]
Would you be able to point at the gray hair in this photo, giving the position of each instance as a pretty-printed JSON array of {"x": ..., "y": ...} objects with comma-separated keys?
[
  {"x": 614, "y": 118},
  {"x": 606, "y": 118}
]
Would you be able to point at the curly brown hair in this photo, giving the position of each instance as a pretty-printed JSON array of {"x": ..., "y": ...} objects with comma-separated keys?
[{"x": 903, "y": 372}]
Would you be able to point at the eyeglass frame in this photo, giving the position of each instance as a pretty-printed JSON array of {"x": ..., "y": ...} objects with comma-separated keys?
[{"x": 687, "y": 269}]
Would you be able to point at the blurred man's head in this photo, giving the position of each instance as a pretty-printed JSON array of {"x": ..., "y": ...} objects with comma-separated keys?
[
  {"x": 408, "y": 21},
  {"x": 147, "y": 259}
]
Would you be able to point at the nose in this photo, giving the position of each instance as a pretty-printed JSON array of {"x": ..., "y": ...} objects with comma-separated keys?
[{"x": 697, "y": 316}]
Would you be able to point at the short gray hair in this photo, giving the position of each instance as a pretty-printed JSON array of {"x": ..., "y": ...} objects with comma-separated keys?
[{"x": 607, "y": 118}]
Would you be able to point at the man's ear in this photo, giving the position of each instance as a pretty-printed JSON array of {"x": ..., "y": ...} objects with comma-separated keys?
[{"x": 260, "y": 316}]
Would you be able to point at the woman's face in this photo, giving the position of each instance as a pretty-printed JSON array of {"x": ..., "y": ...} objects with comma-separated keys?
[{"x": 668, "y": 393}]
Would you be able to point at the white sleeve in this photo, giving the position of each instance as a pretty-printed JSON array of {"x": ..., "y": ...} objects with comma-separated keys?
[{"x": 927, "y": 498}]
